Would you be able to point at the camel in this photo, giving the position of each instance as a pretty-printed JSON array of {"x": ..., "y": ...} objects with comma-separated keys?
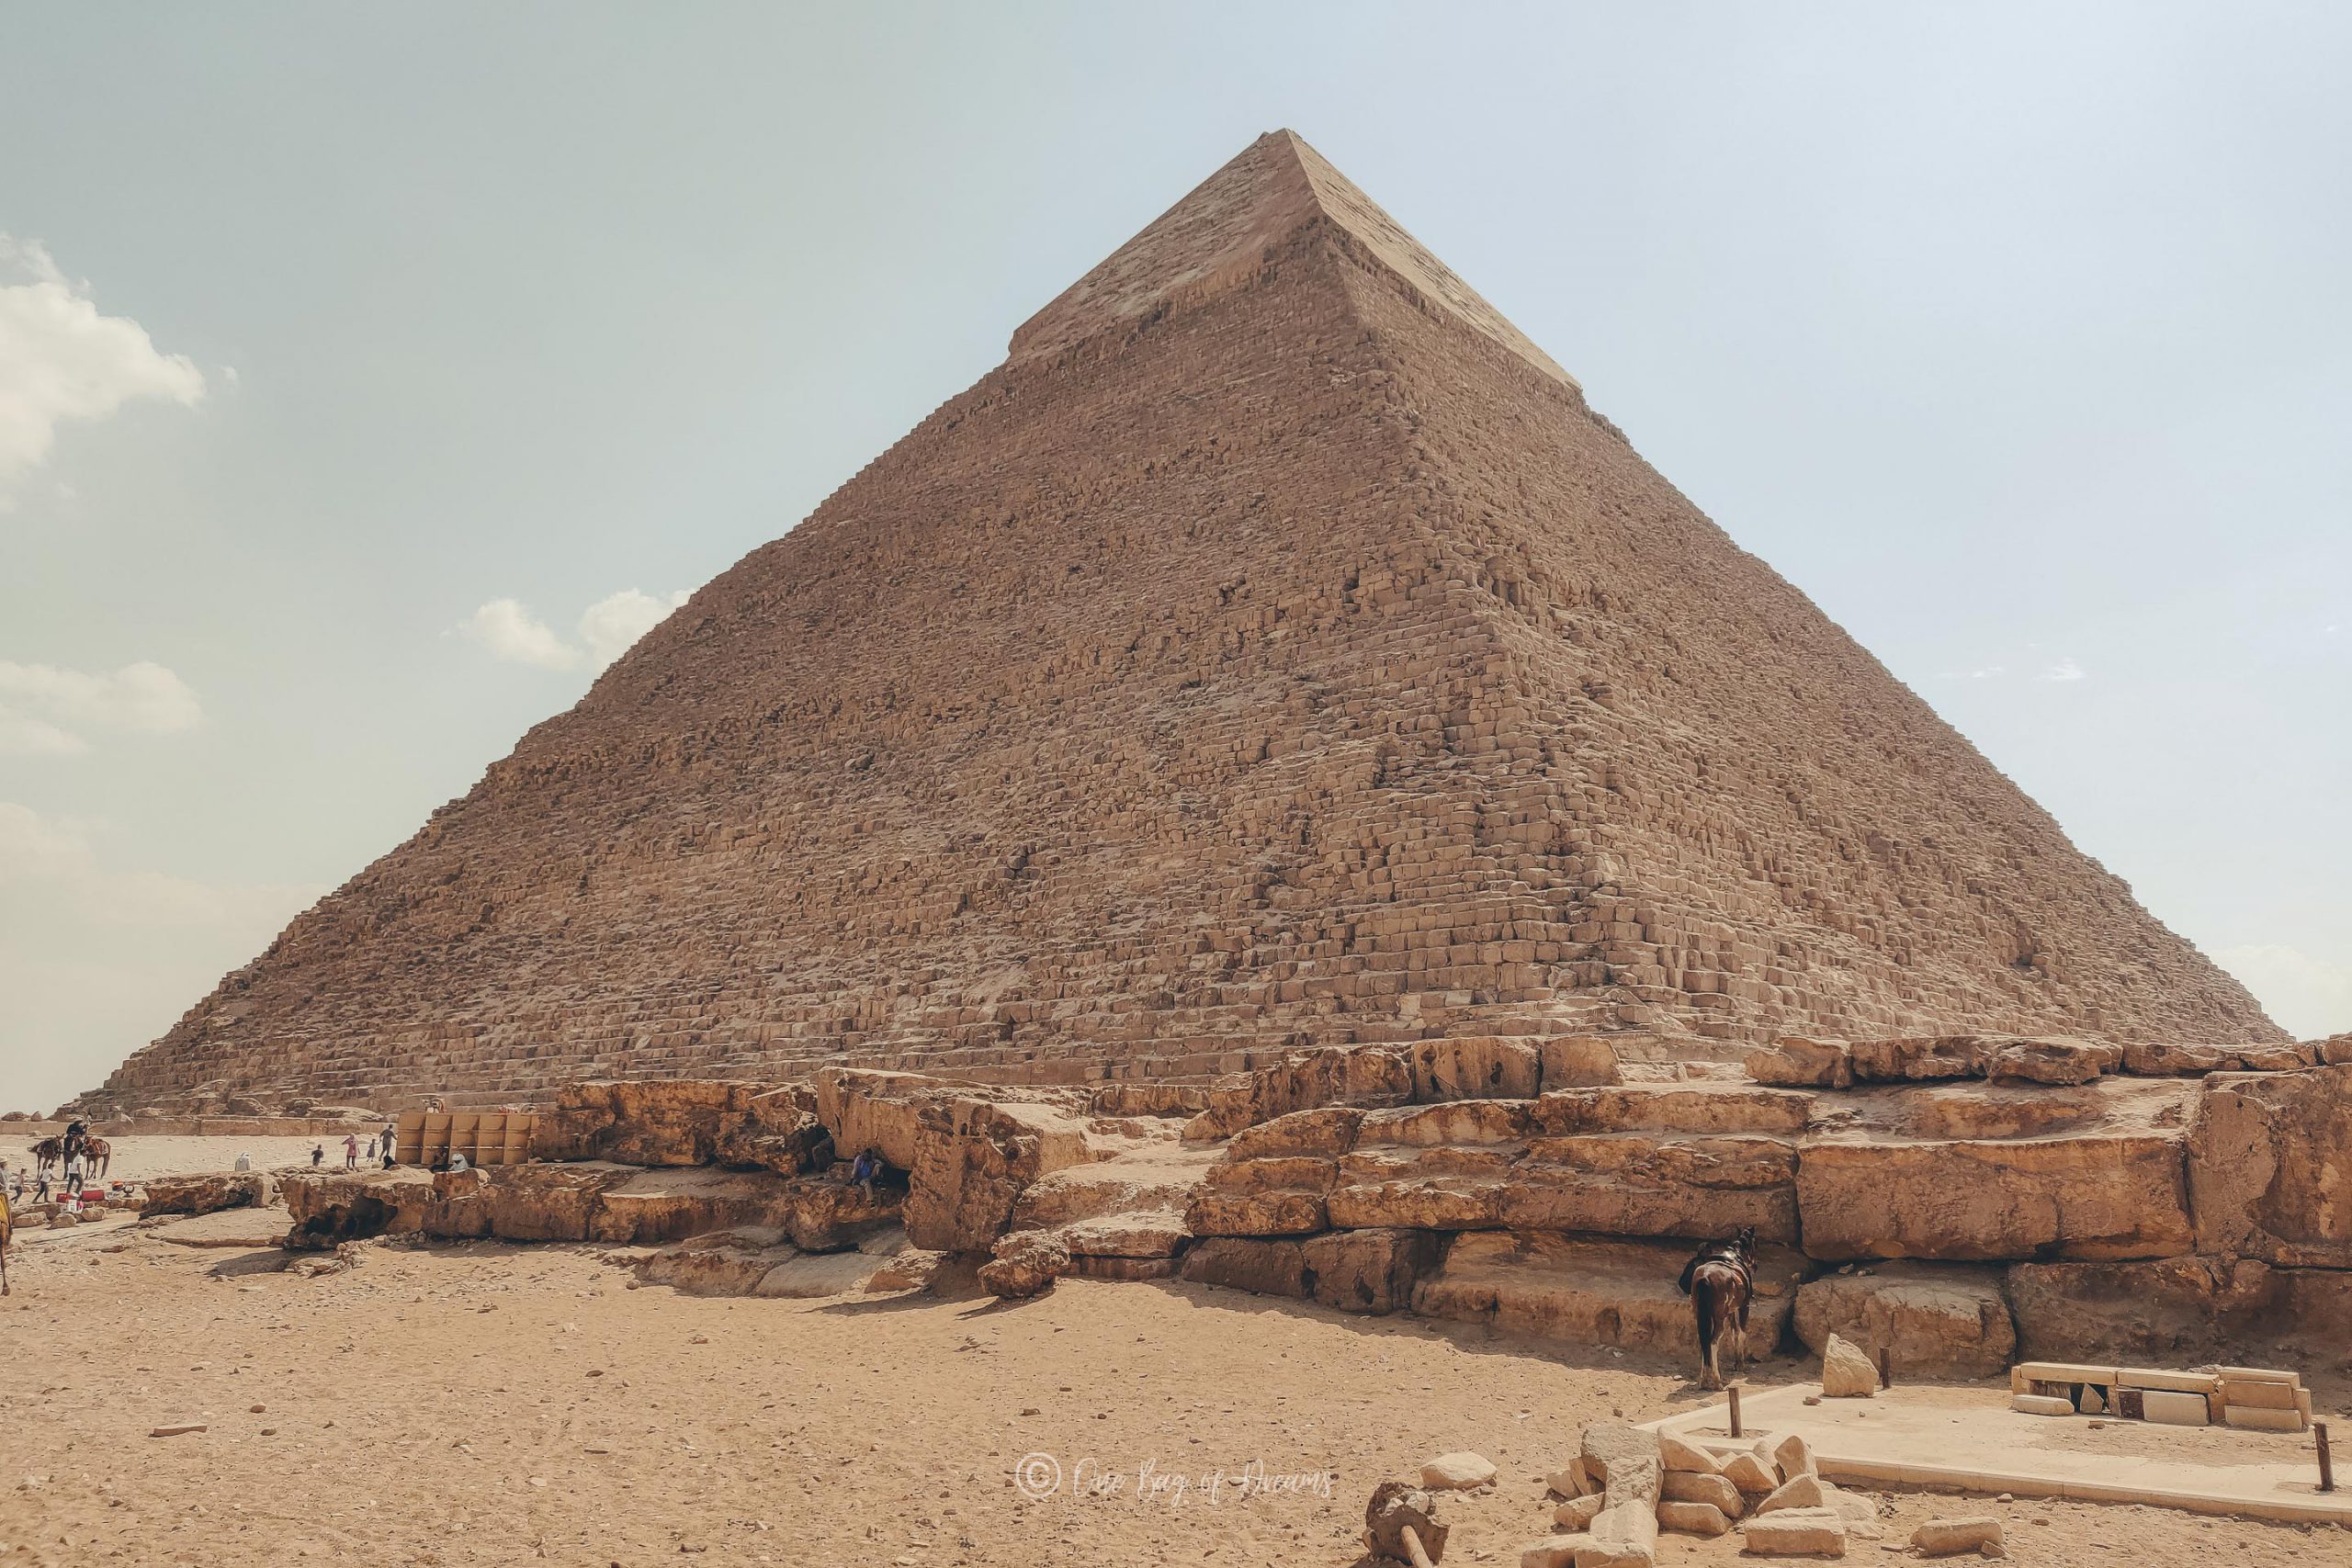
[{"x": 1720, "y": 1280}]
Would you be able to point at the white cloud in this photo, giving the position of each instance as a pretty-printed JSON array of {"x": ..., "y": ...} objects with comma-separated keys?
[
  {"x": 2064, "y": 670},
  {"x": 611, "y": 627},
  {"x": 1989, "y": 672},
  {"x": 43, "y": 708},
  {"x": 95, "y": 962},
  {"x": 606, "y": 630},
  {"x": 511, "y": 632},
  {"x": 2309, "y": 997},
  {"x": 61, "y": 360}
]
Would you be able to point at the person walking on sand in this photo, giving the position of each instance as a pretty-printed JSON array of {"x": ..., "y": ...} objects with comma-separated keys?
[
  {"x": 318, "y": 1154},
  {"x": 351, "y": 1151}
]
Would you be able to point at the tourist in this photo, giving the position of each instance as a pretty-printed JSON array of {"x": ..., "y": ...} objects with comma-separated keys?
[
  {"x": 351, "y": 1151},
  {"x": 864, "y": 1170},
  {"x": 244, "y": 1162},
  {"x": 388, "y": 1144},
  {"x": 318, "y": 1154},
  {"x": 458, "y": 1161}
]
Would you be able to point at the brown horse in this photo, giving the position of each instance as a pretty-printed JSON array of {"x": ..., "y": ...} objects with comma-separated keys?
[
  {"x": 97, "y": 1156},
  {"x": 47, "y": 1152},
  {"x": 1720, "y": 1280}
]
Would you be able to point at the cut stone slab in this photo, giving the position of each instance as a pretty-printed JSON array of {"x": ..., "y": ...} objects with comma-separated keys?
[
  {"x": 1368, "y": 1270},
  {"x": 1553, "y": 1551},
  {"x": 1938, "y": 1320},
  {"x": 2176, "y": 1409},
  {"x": 2255, "y": 1418},
  {"x": 1693, "y": 1518},
  {"x": 1798, "y": 1492},
  {"x": 1846, "y": 1372},
  {"x": 1590, "y": 1291},
  {"x": 1942, "y": 1538},
  {"x": 2263, "y": 1392},
  {"x": 1623, "y": 1458},
  {"x": 1788, "y": 1453},
  {"x": 1981, "y": 1171},
  {"x": 1678, "y": 1455},
  {"x": 1754, "y": 1477},
  {"x": 1623, "y": 1535},
  {"x": 1457, "y": 1472},
  {"x": 1262, "y": 1267},
  {"x": 2265, "y": 1164},
  {"x": 2042, "y": 1404},
  {"x": 1716, "y": 1490},
  {"x": 1578, "y": 1513},
  {"x": 1796, "y": 1533}
]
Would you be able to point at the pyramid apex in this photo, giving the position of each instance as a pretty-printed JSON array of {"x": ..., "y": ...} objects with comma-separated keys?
[{"x": 1214, "y": 239}]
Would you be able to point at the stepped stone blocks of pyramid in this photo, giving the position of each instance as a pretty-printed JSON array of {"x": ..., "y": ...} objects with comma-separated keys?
[{"x": 1274, "y": 650}]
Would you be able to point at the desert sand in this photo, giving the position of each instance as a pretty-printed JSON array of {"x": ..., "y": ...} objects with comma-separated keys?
[{"x": 487, "y": 1403}]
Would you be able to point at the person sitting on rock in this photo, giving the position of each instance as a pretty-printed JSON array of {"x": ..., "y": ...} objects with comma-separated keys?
[
  {"x": 863, "y": 1171},
  {"x": 458, "y": 1161}
]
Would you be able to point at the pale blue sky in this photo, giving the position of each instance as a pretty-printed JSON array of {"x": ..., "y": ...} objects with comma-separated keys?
[{"x": 2018, "y": 336}]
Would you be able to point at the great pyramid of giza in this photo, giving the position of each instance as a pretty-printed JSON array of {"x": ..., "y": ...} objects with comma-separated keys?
[{"x": 1273, "y": 649}]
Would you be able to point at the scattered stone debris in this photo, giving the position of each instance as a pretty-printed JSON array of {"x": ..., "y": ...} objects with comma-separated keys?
[
  {"x": 1458, "y": 1473},
  {"x": 1400, "y": 1525},
  {"x": 1846, "y": 1373},
  {"x": 1942, "y": 1538}
]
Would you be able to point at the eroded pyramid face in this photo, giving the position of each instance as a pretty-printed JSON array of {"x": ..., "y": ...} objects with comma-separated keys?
[{"x": 1274, "y": 649}]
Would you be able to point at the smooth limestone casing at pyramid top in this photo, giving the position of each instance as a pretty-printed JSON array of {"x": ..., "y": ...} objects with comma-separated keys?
[{"x": 1273, "y": 649}]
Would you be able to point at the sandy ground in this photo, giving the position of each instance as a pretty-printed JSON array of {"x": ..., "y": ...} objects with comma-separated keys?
[
  {"x": 140, "y": 1160},
  {"x": 491, "y": 1404}
]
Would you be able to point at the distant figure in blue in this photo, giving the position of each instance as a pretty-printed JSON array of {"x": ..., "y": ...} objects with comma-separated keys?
[{"x": 864, "y": 1170}]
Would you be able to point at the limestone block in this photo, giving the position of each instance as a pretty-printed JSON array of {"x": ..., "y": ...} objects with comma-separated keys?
[
  {"x": 1462, "y": 1471},
  {"x": 1693, "y": 1518},
  {"x": 1578, "y": 1513},
  {"x": 1265, "y": 1267},
  {"x": 1279, "y": 1195},
  {"x": 1691, "y": 1107},
  {"x": 1369, "y": 1270},
  {"x": 1815, "y": 1063},
  {"x": 1796, "y": 1533},
  {"x": 1942, "y": 1538},
  {"x": 1484, "y": 1068},
  {"x": 2267, "y": 1158},
  {"x": 2171, "y": 1310},
  {"x": 668, "y": 1121},
  {"x": 1655, "y": 1184},
  {"x": 1444, "y": 1186},
  {"x": 2195, "y": 1060},
  {"x": 1914, "y": 1057},
  {"x": 1553, "y": 1551},
  {"x": 1846, "y": 1372},
  {"x": 1788, "y": 1454},
  {"x": 211, "y": 1193},
  {"x": 1938, "y": 1320},
  {"x": 1715, "y": 1491},
  {"x": 1576, "y": 1061},
  {"x": 1624, "y": 1460},
  {"x": 1687, "y": 1456},
  {"x": 2171, "y": 1410},
  {"x": 1589, "y": 1292},
  {"x": 973, "y": 1158},
  {"x": 1801, "y": 1490},
  {"x": 2042, "y": 1404},
  {"x": 1332, "y": 1076},
  {"x": 1883, "y": 1185},
  {"x": 2059, "y": 1061},
  {"x": 2269, "y": 1393},
  {"x": 1326, "y": 1133},
  {"x": 866, "y": 1110},
  {"x": 1488, "y": 1123},
  {"x": 2255, "y": 1418},
  {"x": 1623, "y": 1535},
  {"x": 1752, "y": 1474}
]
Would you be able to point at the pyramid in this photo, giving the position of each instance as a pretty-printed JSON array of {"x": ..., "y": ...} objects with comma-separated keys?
[{"x": 1274, "y": 649}]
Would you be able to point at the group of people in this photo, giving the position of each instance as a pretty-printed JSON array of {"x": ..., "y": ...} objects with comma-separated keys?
[
  {"x": 379, "y": 1150},
  {"x": 71, "y": 1190}
]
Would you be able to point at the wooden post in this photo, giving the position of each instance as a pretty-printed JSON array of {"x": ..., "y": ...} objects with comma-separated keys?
[
  {"x": 1734, "y": 1392},
  {"x": 1886, "y": 1366},
  {"x": 2326, "y": 1465}
]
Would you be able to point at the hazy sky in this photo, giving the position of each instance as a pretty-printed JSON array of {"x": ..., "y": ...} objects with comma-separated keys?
[{"x": 371, "y": 375}]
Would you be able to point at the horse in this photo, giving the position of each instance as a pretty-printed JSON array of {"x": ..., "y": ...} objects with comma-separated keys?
[
  {"x": 1720, "y": 1280},
  {"x": 97, "y": 1154},
  {"x": 47, "y": 1152}
]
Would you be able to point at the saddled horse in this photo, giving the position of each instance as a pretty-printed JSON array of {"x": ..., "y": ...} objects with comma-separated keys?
[
  {"x": 1720, "y": 1280},
  {"x": 47, "y": 1152},
  {"x": 97, "y": 1154}
]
